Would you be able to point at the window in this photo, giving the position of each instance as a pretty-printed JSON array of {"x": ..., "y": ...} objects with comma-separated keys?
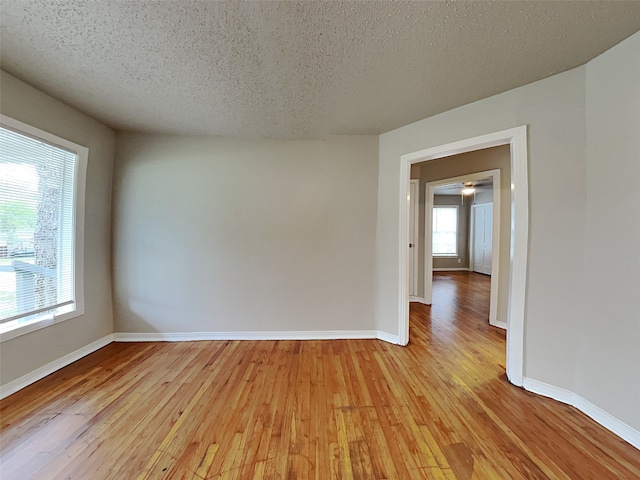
[
  {"x": 445, "y": 231},
  {"x": 41, "y": 228}
]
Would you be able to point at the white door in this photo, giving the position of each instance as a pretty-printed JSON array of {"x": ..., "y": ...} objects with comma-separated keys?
[
  {"x": 413, "y": 238},
  {"x": 482, "y": 228}
]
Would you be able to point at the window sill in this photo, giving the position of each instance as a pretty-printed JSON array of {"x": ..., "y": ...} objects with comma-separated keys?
[
  {"x": 445, "y": 255},
  {"x": 12, "y": 330}
]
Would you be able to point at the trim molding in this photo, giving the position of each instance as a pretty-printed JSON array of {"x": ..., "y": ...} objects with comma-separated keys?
[
  {"x": 49, "y": 368},
  {"x": 417, "y": 299},
  {"x": 268, "y": 335},
  {"x": 450, "y": 269},
  {"x": 608, "y": 421},
  {"x": 260, "y": 335},
  {"x": 388, "y": 337},
  {"x": 516, "y": 138},
  {"x": 502, "y": 325},
  {"x": 414, "y": 189}
]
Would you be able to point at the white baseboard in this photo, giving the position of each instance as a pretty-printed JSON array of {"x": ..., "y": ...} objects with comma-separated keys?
[
  {"x": 387, "y": 337},
  {"x": 417, "y": 299},
  {"x": 275, "y": 335},
  {"x": 261, "y": 335},
  {"x": 502, "y": 325},
  {"x": 450, "y": 270},
  {"x": 624, "y": 431},
  {"x": 49, "y": 368},
  {"x": 546, "y": 390}
]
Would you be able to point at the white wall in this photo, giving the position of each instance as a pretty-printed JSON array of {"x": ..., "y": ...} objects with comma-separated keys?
[
  {"x": 26, "y": 353},
  {"x": 221, "y": 235},
  {"x": 554, "y": 111},
  {"x": 608, "y": 357},
  {"x": 485, "y": 196},
  {"x": 582, "y": 325}
]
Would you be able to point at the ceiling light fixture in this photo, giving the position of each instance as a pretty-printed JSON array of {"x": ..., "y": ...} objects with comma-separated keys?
[{"x": 468, "y": 189}]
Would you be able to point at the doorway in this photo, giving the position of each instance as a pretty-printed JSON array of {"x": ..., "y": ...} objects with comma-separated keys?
[
  {"x": 516, "y": 138},
  {"x": 496, "y": 280}
]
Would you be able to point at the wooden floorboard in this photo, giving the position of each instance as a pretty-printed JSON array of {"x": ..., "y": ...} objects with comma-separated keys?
[{"x": 440, "y": 408}]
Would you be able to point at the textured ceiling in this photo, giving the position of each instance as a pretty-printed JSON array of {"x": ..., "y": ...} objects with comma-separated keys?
[{"x": 294, "y": 69}]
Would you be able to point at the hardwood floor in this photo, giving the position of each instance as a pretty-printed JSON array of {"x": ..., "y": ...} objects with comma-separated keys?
[{"x": 349, "y": 409}]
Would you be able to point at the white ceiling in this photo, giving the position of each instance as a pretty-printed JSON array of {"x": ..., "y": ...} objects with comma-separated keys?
[{"x": 294, "y": 69}]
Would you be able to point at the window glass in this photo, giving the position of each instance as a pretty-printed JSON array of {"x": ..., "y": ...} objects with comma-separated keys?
[
  {"x": 445, "y": 231},
  {"x": 38, "y": 184}
]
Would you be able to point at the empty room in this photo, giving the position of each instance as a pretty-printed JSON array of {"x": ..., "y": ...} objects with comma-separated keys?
[{"x": 319, "y": 239}]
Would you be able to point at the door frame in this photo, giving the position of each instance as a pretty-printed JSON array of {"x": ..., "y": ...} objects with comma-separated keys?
[
  {"x": 516, "y": 138},
  {"x": 495, "y": 240},
  {"x": 415, "y": 185}
]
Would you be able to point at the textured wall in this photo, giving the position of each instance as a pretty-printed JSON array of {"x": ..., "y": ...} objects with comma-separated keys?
[{"x": 28, "y": 352}]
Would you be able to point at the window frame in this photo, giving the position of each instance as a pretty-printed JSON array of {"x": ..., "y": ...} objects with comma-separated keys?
[
  {"x": 79, "y": 188},
  {"x": 433, "y": 216}
]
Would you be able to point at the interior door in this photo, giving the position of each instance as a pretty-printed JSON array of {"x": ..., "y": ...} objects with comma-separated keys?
[
  {"x": 413, "y": 238},
  {"x": 482, "y": 240}
]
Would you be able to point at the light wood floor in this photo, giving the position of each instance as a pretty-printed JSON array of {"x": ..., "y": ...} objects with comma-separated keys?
[{"x": 353, "y": 409}]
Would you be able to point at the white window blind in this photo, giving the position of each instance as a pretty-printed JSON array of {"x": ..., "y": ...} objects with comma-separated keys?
[
  {"x": 445, "y": 231},
  {"x": 37, "y": 225}
]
